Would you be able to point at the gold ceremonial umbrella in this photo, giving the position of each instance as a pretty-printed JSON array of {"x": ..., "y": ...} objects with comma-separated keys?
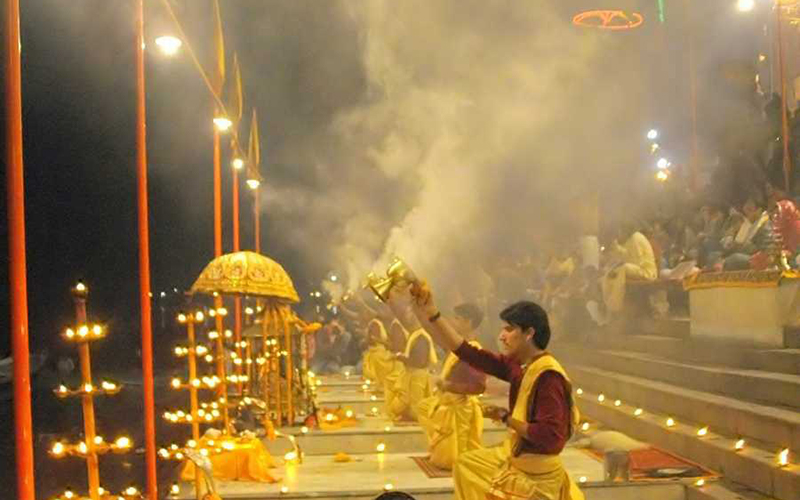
[
  {"x": 246, "y": 273},
  {"x": 255, "y": 275}
]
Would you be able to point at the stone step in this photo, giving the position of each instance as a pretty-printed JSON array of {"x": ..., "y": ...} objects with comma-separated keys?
[
  {"x": 341, "y": 381},
  {"x": 780, "y": 427},
  {"x": 724, "y": 490},
  {"x": 320, "y": 478},
  {"x": 369, "y": 432},
  {"x": 755, "y": 466},
  {"x": 778, "y": 389},
  {"x": 705, "y": 352},
  {"x": 359, "y": 401},
  {"x": 591, "y": 491}
]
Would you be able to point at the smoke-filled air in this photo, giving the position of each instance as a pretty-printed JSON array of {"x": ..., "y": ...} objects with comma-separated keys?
[{"x": 477, "y": 127}]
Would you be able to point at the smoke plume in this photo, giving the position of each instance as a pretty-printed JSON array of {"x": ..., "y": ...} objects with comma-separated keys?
[{"x": 476, "y": 127}]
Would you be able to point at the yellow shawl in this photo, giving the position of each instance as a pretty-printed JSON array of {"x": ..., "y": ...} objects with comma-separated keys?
[
  {"x": 419, "y": 332},
  {"x": 520, "y": 412}
]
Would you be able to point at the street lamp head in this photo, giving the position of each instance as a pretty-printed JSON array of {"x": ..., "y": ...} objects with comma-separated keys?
[
  {"x": 238, "y": 163},
  {"x": 745, "y": 5},
  {"x": 222, "y": 123},
  {"x": 168, "y": 45},
  {"x": 652, "y": 134}
]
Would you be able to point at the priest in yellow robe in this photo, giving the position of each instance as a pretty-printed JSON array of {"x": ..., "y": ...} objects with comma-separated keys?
[
  {"x": 452, "y": 418},
  {"x": 414, "y": 382},
  {"x": 378, "y": 360},
  {"x": 398, "y": 338},
  {"x": 541, "y": 416}
]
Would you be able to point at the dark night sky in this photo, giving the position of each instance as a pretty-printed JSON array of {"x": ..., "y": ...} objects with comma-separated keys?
[{"x": 301, "y": 63}]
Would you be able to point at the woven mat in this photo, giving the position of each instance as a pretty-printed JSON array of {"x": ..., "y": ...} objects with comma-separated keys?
[
  {"x": 429, "y": 469},
  {"x": 655, "y": 464}
]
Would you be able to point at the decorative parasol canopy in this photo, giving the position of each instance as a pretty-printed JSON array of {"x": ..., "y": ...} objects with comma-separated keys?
[{"x": 246, "y": 273}]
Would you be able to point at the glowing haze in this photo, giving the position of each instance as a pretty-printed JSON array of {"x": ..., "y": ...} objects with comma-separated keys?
[{"x": 479, "y": 122}]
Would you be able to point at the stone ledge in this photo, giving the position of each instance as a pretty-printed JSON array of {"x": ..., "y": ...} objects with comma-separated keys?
[
  {"x": 752, "y": 467},
  {"x": 750, "y": 420}
]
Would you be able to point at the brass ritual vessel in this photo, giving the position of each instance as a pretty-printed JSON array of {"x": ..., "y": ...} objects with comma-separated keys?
[{"x": 397, "y": 275}]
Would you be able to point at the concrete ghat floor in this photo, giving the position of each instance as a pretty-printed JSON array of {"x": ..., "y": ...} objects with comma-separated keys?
[
  {"x": 321, "y": 477},
  {"x": 368, "y": 432},
  {"x": 353, "y": 397}
]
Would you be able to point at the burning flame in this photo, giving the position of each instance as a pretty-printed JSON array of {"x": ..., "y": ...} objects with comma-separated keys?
[{"x": 783, "y": 457}]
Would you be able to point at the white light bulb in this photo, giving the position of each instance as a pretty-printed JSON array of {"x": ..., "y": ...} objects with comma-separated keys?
[
  {"x": 745, "y": 5},
  {"x": 168, "y": 45}
]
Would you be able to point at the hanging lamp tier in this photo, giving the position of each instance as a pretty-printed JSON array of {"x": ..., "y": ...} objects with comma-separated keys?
[{"x": 246, "y": 273}]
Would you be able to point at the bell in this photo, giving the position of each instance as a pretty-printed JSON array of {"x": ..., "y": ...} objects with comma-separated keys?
[
  {"x": 380, "y": 286},
  {"x": 400, "y": 272}
]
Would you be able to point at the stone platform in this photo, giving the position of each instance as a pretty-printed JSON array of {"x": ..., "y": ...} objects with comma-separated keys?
[
  {"x": 319, "y": 477},
  {"x": 369, "y": 472},
  {"x": 365, "y": 436}
]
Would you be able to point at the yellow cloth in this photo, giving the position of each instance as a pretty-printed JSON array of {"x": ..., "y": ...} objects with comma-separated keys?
[
  {"x": 248, "y": 461},
  {"x": 412, "y": 386},
  {"x": 452, "y": 422},
  {"x": 495, "y": 474},
  {"x": 450, "y": 362},
  {"x": 378, "y": 363},
  {"x": 421, "y": 333},
  {"x": 639, "y": 263},
  {"x": 390, "y": 392}
]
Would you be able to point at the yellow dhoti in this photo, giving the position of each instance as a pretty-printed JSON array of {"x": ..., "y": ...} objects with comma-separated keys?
[
  {"x": 412, "y": 387},
  {"x": 378, "y": 363},
  {"x": 453, "y": 424},
  {"x": 413, "y": 384},
  {"x": 390, "y": 390},
  {"x": 496, "y": 474}
]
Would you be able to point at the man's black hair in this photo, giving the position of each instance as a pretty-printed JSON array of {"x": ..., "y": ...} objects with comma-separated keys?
[
  {"x": 394, "y": 495},
  {"x": 526, "y": 314},
  {"x": 471, "y": 312}
]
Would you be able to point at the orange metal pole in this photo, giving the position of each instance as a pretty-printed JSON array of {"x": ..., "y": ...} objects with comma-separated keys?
[
  {"x": 257, "y": 220},
  {"x": 221, "y": 373},
  {"x": 193, "y": 395},
  {"x": 235, "y": 210},
  {"x": 276, "y": 358},
  {"x": 17, "y": 275},
  {"x": 217, "y": 199},
  {"x": 89, "y": 427},
  {"x": 787, "y": 160},
  {"x": 266, "y": 368},
  {"x": 144, "y": 263},
  {"x": 287, "y": 331},
  {"x": 237, "y": 301}
]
